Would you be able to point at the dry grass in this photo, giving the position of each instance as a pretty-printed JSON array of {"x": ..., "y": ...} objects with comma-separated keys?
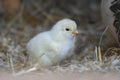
[{"x": 15, "y": 34}]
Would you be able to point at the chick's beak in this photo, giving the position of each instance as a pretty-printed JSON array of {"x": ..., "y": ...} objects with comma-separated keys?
[{"x": 75, "y": 32}]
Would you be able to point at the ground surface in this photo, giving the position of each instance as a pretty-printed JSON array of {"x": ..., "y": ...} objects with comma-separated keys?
[{"x": 61, "y": 76}]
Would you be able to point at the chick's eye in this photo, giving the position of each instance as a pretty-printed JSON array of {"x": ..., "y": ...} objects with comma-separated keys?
[{"x": 67, "y": 29}]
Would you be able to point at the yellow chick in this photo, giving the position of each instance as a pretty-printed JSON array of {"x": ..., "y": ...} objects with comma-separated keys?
[{"x": 50, "y": 47}]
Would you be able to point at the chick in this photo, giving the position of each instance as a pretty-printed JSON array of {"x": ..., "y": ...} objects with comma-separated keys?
[{"x": 50, "y": 47}]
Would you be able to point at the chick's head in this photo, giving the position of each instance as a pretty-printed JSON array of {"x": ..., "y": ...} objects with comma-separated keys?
[{"x": 66, "y": 28}]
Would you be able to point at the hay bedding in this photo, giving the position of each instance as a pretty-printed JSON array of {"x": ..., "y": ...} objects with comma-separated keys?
[{"x": 15, "y": 34}]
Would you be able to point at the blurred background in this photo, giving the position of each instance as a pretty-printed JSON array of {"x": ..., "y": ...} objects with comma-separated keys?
[{"x": 20, "y": 20}]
